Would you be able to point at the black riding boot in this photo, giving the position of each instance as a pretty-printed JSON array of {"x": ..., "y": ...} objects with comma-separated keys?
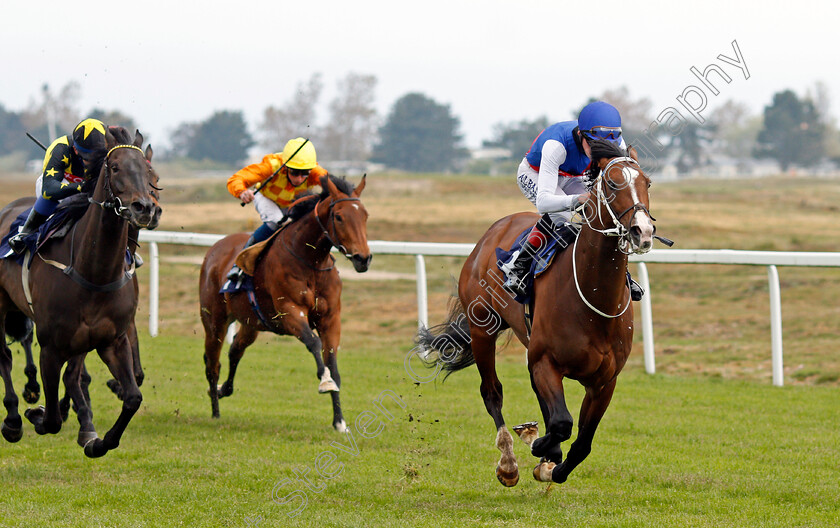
[
  {"x": 33, "y": 222},
  {"x": 235, "y": 273},
  {"x": 517, "y": 268},
  {"x": 636, "y": 291},
  {"x": 133, "y": 244}
]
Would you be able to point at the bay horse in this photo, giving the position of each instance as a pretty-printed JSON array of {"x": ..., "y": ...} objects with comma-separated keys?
[
  {"x": 582, "y": 325},
  {"x": 79, "y": 294},
  {"x": 296, "y": 287}
]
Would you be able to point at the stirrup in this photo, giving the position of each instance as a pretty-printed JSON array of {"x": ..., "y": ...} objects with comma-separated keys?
[
  {"x": 636, "y": 291},
  {"x": 16, "y": 242},
  {"x": 235, "y": 273},
  {"x": 138, "y": 261}
]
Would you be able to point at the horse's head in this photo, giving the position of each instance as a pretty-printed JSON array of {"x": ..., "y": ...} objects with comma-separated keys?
[
  {"x": 622, "y": 199},
  {"x": 347, "y": 223},
  {"x": 127, "y": 182}
]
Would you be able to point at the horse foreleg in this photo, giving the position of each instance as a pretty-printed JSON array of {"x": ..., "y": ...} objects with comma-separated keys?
[
  {"x": 118, "y": 358},
  {"x": 547, "y": 383},
  {"x": 484, "y": 352},
  {"x": 244, "y": 338},
  {"x": 32, "y": 390},
  {"x": 330, "y": 331},
  {"x": 594, "y": 405},
  {"x": 81, "y": 402},
  {"x": 12, "y": 428}
]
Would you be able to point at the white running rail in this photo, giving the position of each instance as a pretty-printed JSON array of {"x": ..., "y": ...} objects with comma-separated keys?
[{"x": 771, "y": 259}]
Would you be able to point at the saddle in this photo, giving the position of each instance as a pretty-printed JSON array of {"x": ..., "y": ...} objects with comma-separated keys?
[{"x": 69, "y": 211}]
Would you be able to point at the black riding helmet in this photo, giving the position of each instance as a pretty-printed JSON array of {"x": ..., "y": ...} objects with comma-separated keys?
[{"x": 89, "y": 138}]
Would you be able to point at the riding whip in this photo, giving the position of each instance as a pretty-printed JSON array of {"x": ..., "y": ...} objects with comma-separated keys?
[{"x": 268, "y": 180}]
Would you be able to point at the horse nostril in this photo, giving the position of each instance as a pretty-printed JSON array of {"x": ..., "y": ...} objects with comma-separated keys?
[{"x": 141, "y": 208}]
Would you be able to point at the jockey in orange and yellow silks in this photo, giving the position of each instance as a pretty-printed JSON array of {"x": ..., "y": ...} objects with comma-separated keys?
[{"x": 280, "y": 179}]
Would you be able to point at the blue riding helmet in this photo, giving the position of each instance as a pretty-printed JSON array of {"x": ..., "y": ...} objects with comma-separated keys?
[{"x": 600, "y": 120}]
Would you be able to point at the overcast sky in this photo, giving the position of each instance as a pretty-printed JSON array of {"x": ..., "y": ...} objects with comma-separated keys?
[{"x": 166, "y": 62}]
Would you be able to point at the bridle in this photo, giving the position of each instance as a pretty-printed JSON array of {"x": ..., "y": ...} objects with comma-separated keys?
[
  {"x": 332, "y": 239},
  {"x": 601, "y": 198},
  {"x": 618, "y": 229},
  {"x": 112, "y": 201},
  {"x": 324, "y": 232}
]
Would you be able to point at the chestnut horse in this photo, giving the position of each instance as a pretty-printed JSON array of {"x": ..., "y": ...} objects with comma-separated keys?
[
  {"x": 296, "y": 287},
  {"x": 582, "y": 317},
  {"x": 79, "y": 294}
]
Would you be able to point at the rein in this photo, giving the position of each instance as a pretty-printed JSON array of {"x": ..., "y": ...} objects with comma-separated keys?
[
  {"x": 113, "y": 202},
  {"x": 618, "y": 229},
  {"x": 325, "y": 233},
  {"x": 340, "y": 247}
]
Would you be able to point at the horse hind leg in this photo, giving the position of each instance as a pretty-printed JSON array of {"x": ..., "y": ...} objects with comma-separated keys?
[
  {"x": 32, "y": 390},
  {"x": 73, "y": 376},
  {"x": 47, "y": 420},
  {"x": 484, "y": 352},
  {"x": 12, "y": 428},
  {"x": 244, "y": 338},
  {"x": 215, "y": 327}
]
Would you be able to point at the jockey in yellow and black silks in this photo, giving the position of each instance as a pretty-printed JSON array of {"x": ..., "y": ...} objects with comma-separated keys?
[
  {"x": 66, "y": 163},
  {"x": 281, "y": 178}
]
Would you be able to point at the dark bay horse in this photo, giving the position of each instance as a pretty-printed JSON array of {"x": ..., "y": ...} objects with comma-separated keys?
[
  {"x": 582, "y": 317},
  {"x": 296, "y": 287},
  {"x": 90, "y": 304}
]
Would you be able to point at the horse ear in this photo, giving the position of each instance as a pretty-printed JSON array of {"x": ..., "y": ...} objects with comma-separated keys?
[
  {"x": 138, "y": 138},
  {"x": 361, "y": 187},
  {"x": 333, "y": 190},
  {"x": 602, "y": 162},
  {"x": 110, "y": 140},
  {"x": 149, "y": 153},
  {"x": 631, "y": 151}
]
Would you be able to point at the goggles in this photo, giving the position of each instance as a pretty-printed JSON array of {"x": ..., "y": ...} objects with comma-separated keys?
[{"x": 608, "y": 133}]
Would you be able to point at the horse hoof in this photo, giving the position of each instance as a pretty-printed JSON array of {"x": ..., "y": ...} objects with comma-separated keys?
[
  {"x": 115, "y": 387},
  {"x": 224, "y": 390},
  {"x": 31, "y": 394},
  {"x": 11, "y": 434},
  {"x": 341, "y": 427},
  {"x": 35, "y": 415},
  {"x": 85, "y": 437},
  {"x": 508, "y": 479},
  {"x": 95, "y": 448},
  {"x": 542, "y": 471},
  {"x": 327, "y": 386},
  {"x": 527, "y": 432}
]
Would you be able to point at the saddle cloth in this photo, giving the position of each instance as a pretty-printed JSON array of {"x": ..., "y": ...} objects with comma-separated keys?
[{"x": 562, "y": 238}]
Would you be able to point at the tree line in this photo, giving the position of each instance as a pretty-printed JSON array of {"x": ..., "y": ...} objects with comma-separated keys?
[{"x": 421, "y": 134}]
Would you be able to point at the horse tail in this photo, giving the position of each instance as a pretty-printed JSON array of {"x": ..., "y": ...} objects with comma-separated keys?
[{"x": 448, "y": 344}]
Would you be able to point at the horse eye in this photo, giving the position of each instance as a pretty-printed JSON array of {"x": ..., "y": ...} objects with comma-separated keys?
[
  {"x": 115, "y": 168},
  {"x": 338, "y": 218}
]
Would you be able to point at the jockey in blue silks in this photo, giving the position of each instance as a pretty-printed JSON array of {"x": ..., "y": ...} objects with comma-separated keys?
[{"x": 550, "y": 177}]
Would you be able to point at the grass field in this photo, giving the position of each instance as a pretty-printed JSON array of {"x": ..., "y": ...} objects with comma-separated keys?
[{"x": 705, "y": 442}]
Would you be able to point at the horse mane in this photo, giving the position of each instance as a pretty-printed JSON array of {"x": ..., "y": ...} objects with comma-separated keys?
[
  {"x": 306, "y": 202},
  {"x": 601, "y": 148}
]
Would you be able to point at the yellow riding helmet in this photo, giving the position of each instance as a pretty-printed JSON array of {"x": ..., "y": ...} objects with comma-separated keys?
[{"x": 305, "y": 159}]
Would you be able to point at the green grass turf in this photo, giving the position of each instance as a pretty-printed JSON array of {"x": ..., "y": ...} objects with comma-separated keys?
[{"x": 671, "y": 451}]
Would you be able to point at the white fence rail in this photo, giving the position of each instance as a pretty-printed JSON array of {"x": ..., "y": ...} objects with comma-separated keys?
[{"x": 771, "y": 259}]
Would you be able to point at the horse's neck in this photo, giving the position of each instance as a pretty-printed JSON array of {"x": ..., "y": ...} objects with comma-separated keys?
[
  {"x": 100, "y": 242},
  {"x": 601, "y": 267},
  {"x": 308, "y": 240}
]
